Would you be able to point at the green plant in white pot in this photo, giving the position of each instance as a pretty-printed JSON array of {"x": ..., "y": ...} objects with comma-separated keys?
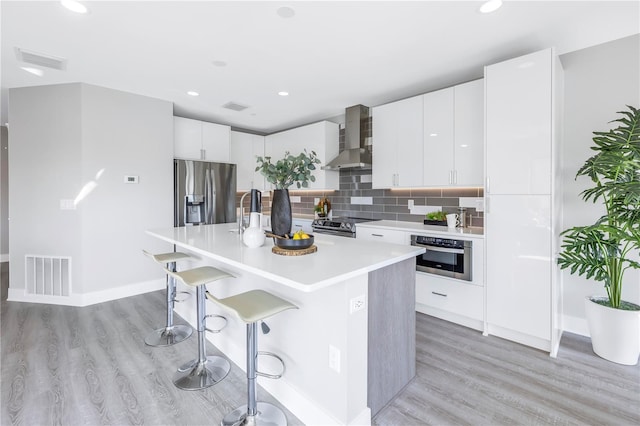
[
  {"x": 608, "y": 248},
  {"x": 290, "y": 170}
]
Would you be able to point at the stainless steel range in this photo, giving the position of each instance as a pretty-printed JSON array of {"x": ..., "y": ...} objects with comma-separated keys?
[{"x": 342, "y": 226}]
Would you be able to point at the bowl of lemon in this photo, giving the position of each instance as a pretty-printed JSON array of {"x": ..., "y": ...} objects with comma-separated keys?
[{"x": 296, "y": 241}]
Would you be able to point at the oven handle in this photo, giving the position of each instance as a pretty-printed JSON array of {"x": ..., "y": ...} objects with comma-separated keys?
[{"x": 440, "y": 249}]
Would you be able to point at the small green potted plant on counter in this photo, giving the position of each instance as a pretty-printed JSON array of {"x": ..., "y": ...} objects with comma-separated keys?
[
  {"x": 438, "y": 218},
  {"x": 607, "y": 249}
]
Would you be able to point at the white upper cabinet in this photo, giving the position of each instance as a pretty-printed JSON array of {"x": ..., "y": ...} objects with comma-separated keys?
[
  {"x": 199, "y": 140},
  {"x": 397, "y": 144},
  {"x": 439, "y": 137},
  {"x": 519, "y": 125},
  {"x": 321, "y": 137},
  {"x": 468, "y": 149},
  {"x": 243, "y": 151},
  {"x": 453, "y": 136}
]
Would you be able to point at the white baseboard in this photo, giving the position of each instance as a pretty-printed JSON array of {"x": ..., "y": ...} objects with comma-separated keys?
[
  {"x": 86, "y": 299},
  {"x": 4, "y": 257},
  {"x": 518, "y": 337},
  {"x": 575, "y": 325},
  {"x": 476, "y": 324}
]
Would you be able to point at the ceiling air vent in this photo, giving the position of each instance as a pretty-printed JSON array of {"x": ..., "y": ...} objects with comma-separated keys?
[
  {"x": 41, "y": 59},
  {"x": 234, "y": 106}
]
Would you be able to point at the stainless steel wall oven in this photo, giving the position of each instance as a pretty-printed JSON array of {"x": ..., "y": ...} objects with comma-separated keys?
[{"x": 444, "y": 256}]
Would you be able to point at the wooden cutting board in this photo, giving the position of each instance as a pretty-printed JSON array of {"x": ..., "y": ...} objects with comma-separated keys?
[{"x": 290, "y": 252}]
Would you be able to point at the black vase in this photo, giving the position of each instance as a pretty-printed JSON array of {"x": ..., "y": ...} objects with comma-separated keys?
[{"x": 281, "y": 212}]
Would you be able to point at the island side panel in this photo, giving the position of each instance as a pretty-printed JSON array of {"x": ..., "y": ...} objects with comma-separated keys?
[{"x": 392, "y": 332}]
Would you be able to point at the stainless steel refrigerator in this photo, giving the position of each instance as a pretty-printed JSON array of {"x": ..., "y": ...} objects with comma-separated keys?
[{"x": 204, "y": 192}]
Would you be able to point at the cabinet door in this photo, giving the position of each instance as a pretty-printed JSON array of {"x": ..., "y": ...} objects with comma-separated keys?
[
  {"x": 187, "y": 138},
  {"x": 518, "y": 263},
  {"x": 215, "y": 142},
  {"x": 410, "y": 142},
  {"x": 518, "y": 125},
  {"x": 439, "y": 137},
  {"x": 450, "y": 296},
  {"x": 378, "y": 234},
  {"x": 301, "y": 224},
  {"x": 244, "y": 148},
  {"x": 384, "y": 136},
  {"x": 469, "y": 134},
  {"x": 397, "y": 144}
]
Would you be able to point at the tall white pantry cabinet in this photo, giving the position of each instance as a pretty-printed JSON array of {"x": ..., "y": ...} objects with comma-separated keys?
[{"x": 523, "y": 103}]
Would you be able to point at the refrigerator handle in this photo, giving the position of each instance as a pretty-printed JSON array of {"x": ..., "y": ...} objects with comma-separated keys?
[{"x": 209, "y": 198}]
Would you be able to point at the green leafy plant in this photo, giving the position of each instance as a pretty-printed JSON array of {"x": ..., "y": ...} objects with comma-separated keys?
[
  {"x": 603, "y": 251},
  {"x": 289, "y": 170},
  {"x": 437, "y": 215}
]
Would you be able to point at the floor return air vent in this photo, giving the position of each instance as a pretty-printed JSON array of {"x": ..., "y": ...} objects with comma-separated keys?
[{"x": 48, "y": 275}]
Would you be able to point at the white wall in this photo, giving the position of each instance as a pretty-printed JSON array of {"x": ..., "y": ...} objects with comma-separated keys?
[
  {"x": 64, "y": 138},
  {"x": 599, "y": 81},
  {"x": 4, "y": 195}
]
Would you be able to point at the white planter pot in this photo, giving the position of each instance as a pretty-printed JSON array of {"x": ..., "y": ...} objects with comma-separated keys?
[{"x": 615, "y": 333}]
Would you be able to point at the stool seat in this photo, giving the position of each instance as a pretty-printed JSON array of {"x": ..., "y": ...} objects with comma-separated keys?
[
  {"x": 169, "y": 334},
  {"x": 173, "y": 256},
  {"x": 254, "y": 305},
  {"x": 199, "y": 276}
]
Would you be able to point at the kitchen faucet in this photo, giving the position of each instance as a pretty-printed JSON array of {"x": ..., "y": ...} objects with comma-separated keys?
[{"x": 241, "y": 224}]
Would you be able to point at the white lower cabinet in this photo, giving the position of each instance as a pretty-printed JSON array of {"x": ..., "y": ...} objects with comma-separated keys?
[
  {"x": 304, "y": 224},
  {"x": 451, "y": 300},
  {"x": 378, "y": 234}
]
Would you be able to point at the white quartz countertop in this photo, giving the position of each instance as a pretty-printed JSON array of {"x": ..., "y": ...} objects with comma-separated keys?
[
  {"x": 426, "y": 229},
  {"x": 337, "y": 258}
]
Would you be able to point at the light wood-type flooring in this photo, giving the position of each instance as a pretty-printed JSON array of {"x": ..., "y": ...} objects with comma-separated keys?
[{"x": 89, "y": 366}]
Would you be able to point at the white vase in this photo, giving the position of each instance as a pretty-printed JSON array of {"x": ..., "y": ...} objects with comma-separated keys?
[
  {"x": 254, "y": 235},
  {"x": 615, "y": 333}
]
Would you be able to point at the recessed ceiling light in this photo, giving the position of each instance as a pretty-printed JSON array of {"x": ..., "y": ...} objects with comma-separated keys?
[
  {"x": 433, "y": 134},
  {"x": 34, "y": 71},
  {"x": 192, "y": 93},
  {"x": 219, "y": 63},
  {"x": 285, "y": 12},
  {"x": 74, "y": 6},
  {"x": 283, "y": 93},
  {"x": 490, "y": 6},
  {"x": 464, "y": 145}
]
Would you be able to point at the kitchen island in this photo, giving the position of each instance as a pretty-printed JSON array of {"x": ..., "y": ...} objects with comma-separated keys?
[{"x": 351, "y": 345}]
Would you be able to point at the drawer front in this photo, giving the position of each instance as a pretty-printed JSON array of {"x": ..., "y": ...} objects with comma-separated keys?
[
  {"x": 386, "y": 235},
  {"x": 451, "y": 296}
]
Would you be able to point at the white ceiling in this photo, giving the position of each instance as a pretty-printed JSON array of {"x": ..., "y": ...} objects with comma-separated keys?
[{"x": 329, "y": 55}]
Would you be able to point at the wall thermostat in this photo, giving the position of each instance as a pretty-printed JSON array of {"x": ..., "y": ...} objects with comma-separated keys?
[{"x": 130, "y": 179}]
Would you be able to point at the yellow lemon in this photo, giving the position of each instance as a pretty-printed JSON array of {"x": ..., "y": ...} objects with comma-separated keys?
[
  {"x": 296, "y": 236},
  {"x": 305, "y": 237}
]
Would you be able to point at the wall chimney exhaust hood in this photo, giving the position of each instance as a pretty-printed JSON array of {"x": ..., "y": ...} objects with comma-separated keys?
[{"x": 356, "y": 153}]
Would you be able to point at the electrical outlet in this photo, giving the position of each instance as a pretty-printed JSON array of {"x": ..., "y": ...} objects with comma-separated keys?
[
  {"x": 334, "y": 358},
  {"x": 410, "y": 204},
  {"x": 357, "y": 303}
]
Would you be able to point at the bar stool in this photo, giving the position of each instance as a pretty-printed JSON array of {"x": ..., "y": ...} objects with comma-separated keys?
[
  {"x": 170, "y": 334},
  {"x": 251, "y": 307},
  {"x": 206, "y": 370}
]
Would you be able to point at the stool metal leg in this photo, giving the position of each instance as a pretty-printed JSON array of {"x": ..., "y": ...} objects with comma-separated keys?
[
  {"x": 171, "y": 334},
  {"x": 254, "y": 413},
  {"x": 206, "y": 370}
]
